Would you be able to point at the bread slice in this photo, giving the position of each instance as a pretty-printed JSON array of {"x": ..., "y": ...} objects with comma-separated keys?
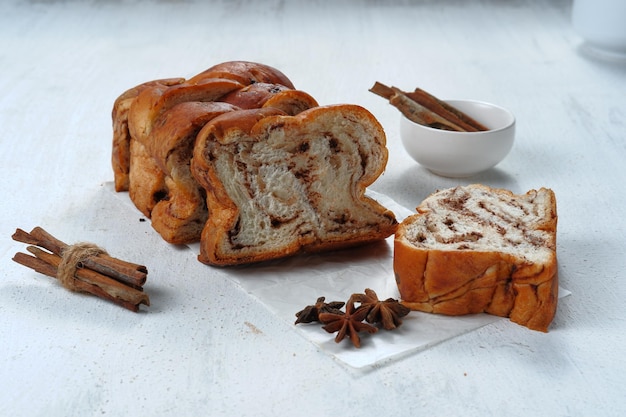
[
  {"x": 278, "y": 184},
  {"x": 476, "y": 249}
]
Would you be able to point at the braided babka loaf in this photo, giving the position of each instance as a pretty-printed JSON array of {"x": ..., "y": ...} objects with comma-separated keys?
[
  {"x": 276, "y": 172},
  {"x": 477, "y": 249}
]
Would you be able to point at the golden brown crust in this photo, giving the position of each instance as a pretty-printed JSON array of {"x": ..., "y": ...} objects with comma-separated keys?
[
  {"x": 120, "y": 156},
  {"x": 245, "y": 73},
  {"x": 146, "y": 180},
  {"x": 498, "y": 282},
  {"x": 154, "y": 101},
  {"x": 260, "y": 95},
  {"x": 291, "y": 102},
  {"x": 253, "y": 96}
]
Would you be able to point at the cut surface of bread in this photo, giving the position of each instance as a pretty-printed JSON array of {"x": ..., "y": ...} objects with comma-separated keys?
[
  {"x": 279, "y": 184},
  {"x": 473, "y": 249}
]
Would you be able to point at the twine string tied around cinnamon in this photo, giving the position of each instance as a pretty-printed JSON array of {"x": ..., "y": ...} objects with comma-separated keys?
[{"x": 72, "y": 258}]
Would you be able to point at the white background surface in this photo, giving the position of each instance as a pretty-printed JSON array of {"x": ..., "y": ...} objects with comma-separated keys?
[{"x": 205, "y": 346}]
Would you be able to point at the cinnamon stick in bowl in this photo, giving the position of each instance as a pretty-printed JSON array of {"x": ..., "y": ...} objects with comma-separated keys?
[{"x": 422, "y": 107}]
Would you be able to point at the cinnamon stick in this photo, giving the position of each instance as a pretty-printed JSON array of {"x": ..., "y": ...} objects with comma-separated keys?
[
  {"x": 420, "y": 114},
  {"x": 126, "y": 272},
  {"x": 446, "y": 110},
  {"x": 424, "y": 108},
  {"x": 35, "y": 264},
  {"x": 115, "y": 291},
  {"x": 103, "y": 276},
  {"x": 382, "y": 90}
]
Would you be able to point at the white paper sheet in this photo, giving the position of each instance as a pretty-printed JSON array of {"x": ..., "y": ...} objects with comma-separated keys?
[{"x": 288, "y": 285}]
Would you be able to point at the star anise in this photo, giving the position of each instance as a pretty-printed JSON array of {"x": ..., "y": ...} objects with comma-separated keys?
[
  {"x": 347, "y": 324},
  {"x": 387, "y": 312},
  {"x": 311, "y": 313}
]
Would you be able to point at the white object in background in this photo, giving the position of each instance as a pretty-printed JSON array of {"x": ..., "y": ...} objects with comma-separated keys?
[{"x": 602, "y": 24}]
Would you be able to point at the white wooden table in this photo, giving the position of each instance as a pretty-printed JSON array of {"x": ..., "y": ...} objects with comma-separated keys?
[{"x": 206, "y": 346}]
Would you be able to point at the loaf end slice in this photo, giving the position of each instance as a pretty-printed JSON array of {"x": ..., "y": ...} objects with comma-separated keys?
[
  {"x": 477, "y": 249},
  {"x": 278, "y": 184}
]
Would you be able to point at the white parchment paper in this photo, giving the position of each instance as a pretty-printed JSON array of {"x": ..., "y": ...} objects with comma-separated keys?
[{"x": 288, "y": 285}]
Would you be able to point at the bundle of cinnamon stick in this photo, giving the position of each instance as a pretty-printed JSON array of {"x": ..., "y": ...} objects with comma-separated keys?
[
  {"x": 84, "y": 268},
  {"x": 422, "y": 107}
]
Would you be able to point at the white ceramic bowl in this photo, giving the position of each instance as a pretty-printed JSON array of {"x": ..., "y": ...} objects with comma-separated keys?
[{"x": 461, "y": 154}]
